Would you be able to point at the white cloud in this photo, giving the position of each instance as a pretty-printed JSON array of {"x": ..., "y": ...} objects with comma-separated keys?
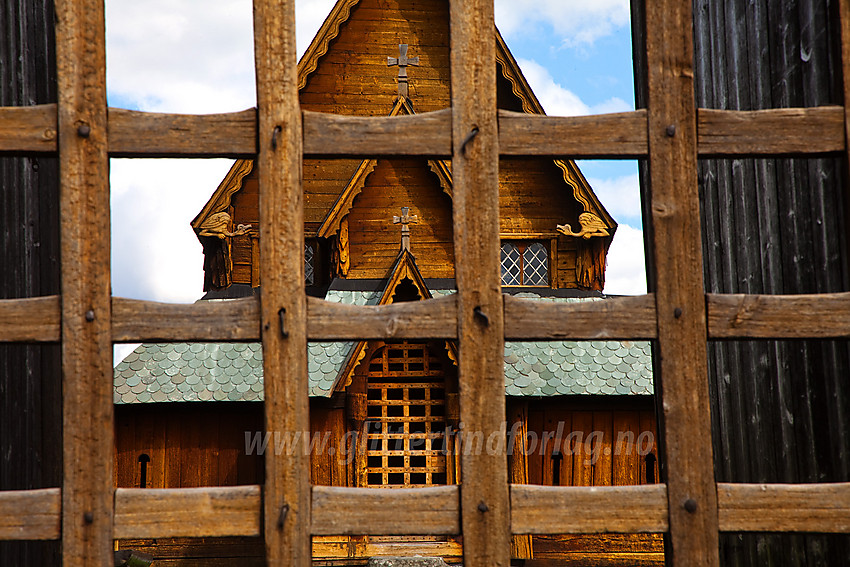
[
  {"x": 579, "y": 23},
  {"x": 155, "y": 253},
  {"x": 626, "y": 272},
  {"x": 560, "y": 101},
  {"x": 621, "y": 197}
]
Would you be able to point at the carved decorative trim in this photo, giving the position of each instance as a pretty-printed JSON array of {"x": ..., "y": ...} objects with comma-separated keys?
[
  {"x": 591, "y": 226},
  {"x": 584, "y": 194},
  {"x": 512, "y": 72},
  {"x": 221, "y": 197},
  {"x": 327, "y": 33},
  {"x": 441, "y": 169},
  {"x": 345, "y": 201}
]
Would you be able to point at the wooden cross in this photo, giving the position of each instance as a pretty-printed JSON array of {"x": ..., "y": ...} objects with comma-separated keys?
[
  {"x": 402, "y": 61},
  {"x": 405, "y": 219}
]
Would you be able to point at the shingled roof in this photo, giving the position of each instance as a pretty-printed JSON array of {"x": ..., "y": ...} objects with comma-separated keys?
[{"x": 187, "y": 372}]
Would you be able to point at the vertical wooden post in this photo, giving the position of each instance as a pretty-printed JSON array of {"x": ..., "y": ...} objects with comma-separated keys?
[
  {"x": 86, "y": 306},
  {"x": 844, "y": 19},
  {"x": 680, "y": 294},
  {"x": 485, "y": 509},
  {"x": 286, "y": 511}
]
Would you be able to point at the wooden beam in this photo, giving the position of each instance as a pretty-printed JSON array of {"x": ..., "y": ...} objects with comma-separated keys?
[
  {"x": 232, "y": 134},
  {"x": 738, "y": 316},
  {"x": 387, "y": 511},
  {"x": 773, "y": 132},
  {"x": 86, "y": 319},
  {"x": 28, "y": 128},
  {"x": 616, "y": 318},
  {"x": 485, "y": 504},
  {"x": 427, "y": 134},
  {"x": 35, "y": 319},
  {"x": 680, "y": 296},
  {"x": 621, "y": 135},
  {"x": 30, "y": 514},
  {"x": 784, "y": 507},
  {"x": 134, "y": 320},
  {"x": 187, "y": 512},
  {"x": 286, "y": 494},
  {"x": 588, "y": 509},
  {"x": 432, "y": 318}
]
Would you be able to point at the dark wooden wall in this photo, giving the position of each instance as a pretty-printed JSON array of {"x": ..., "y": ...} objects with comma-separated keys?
[
  {"x": 30, "y": 380},
  {"x": 781, "y": 409}
]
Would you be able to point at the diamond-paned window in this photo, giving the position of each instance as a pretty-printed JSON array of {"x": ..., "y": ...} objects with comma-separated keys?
[
  {"x": 525, "y": 263},
  {"x": 309, "y": 267}
]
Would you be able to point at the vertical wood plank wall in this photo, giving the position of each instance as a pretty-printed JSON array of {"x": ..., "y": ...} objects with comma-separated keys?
[{"x": 669, "y": 136}]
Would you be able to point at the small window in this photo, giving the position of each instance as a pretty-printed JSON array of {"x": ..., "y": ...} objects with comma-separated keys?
[
  {"x": 525, "y": 263},
  {"x": 309, "y": 263}
]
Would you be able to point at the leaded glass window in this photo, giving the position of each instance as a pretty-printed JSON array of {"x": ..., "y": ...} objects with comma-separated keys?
[
  {"x": 525, "y": 263},
  {"x": 309, "y": 265}
]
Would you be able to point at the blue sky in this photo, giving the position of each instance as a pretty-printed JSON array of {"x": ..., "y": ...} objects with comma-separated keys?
[{"x": 196, "y": 56}]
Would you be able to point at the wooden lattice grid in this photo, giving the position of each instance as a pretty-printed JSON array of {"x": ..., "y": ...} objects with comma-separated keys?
[
  {"x": 86, "y": 513},
  {"x": 405, "y": 409}
]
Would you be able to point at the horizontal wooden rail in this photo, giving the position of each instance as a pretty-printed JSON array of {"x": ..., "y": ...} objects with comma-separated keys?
[
  {"x": 134, "y": 320},
  {"x": 780, "y": 131},
  {"x": 615, "y": 318},
  {"x": 588, "y": 509},
  {"x": 433, "y": 318},
  {"x": 777, "y": 132},
  {"x": 235, "y": 511},
  {"x": 730, "y": 316},
  {"x": 30, "y": 514},
  {"x": 32, "y": 319},
  {"x": 386, "y": 511},
  {"x": 28, "y": 128},
  {"x": 428, "y": 134},
  {"x": 784, "y": 507},
  {"x": 232, "y": 134},
  {"x": 736, "y": 316},
  {"x": 621, "y": 135},
  {"x": 187, "y": 512}
]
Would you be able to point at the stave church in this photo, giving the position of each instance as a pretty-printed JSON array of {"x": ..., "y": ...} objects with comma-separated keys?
[{"x": 385, "y": 413}]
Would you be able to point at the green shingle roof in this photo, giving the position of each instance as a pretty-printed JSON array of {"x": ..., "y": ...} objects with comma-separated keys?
[{"x": 181, "y": 372}]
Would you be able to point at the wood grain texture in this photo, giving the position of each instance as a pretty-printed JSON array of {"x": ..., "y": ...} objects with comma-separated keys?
[
  {"x": 621, "y": 135},
  {"x": 35, "y": 319},
  {"x": 680, "y": 296},
  {"x": 778, "y": 131},
  {"x": 233, "y": 320},
  {"x": 784, "y": 507},
  {"x": 286, "y": 493},
  {"x": 778, "y": 316},
  {"x": 485, "y": 505},
  {"x": 386, "y": 511},
  {"x": 588, "y": 509},
  {"x": 231, "y": 134},
  {"x": 427, "y": 134},
  {"x": 30, "y": 514},
  {"x": 432, "y": 318},
  {"x": 28, "y": 128},
  {"x": 86, "y": 336},
  {"x": 195, "y": 512},
  {"x": 615, "y": 318}
]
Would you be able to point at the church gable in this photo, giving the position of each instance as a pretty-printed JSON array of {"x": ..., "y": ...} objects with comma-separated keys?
[{"x": 374, "y": 239}]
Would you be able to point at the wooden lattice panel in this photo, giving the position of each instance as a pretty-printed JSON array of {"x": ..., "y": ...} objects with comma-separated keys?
[{"x": 406, "y": 408}]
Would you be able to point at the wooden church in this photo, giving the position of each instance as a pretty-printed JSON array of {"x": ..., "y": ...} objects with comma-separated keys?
[{"x": 378, "y": 231}]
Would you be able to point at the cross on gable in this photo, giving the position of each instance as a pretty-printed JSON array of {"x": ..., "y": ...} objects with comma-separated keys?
[
  {"x": 405, "y": 220},
  {"x": 402, "y": 61}
]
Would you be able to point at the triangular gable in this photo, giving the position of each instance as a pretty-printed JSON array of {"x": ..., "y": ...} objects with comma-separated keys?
[
  {"x": 355, "y": 185},
  {"x": 403, "y": 268}
]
